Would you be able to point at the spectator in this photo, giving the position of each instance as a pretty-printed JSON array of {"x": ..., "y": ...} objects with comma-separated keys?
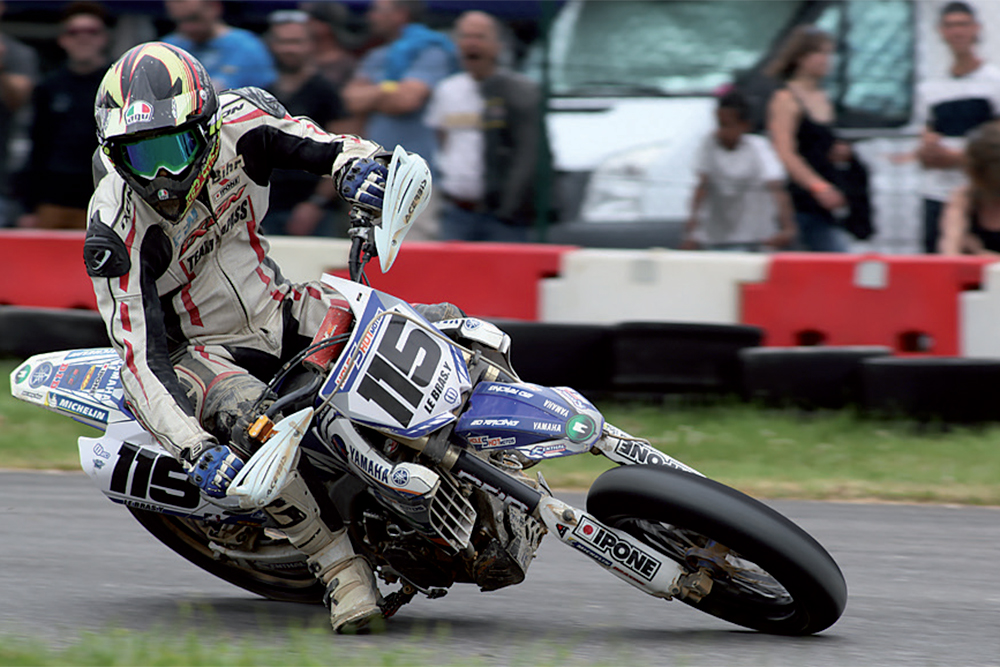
[
  {"x": 327, "y": 21},
  {"x": 394, "y": 82},
  {"x": 233, "y": 57},
  {"x": 971, "y": 220},
  {"x": 334, "y": 59},
  {"x": 948, "y": 108},
  {"x": 300, "y": 202},
  {"x": 741, "y": 187},
  {"x": 800, "y": 120},
  {"x": 488, "y": 126},
  {"x": 57, "y": 182},
  {"x": 18, "y": 74}
]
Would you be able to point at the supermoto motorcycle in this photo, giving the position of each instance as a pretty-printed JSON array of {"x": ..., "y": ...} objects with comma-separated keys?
[{"x": 419, "y": 435}]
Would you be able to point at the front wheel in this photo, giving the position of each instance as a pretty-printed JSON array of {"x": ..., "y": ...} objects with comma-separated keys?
[{"x": 767, "y": 573}]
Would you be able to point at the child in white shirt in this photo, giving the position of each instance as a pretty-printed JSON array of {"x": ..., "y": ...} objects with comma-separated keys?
[{"x": 740, "y": 202}]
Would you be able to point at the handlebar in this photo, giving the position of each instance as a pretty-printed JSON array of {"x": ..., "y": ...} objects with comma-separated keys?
[{"x": 362, "y": 243}]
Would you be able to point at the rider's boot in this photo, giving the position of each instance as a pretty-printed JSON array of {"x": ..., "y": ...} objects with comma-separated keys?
[{"x": 351, "y": 593}]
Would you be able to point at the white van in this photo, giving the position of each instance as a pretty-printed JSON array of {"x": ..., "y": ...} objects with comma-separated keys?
[{"x": 631, "y": 86}]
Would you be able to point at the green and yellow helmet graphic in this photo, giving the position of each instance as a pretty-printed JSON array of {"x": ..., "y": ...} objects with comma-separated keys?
[
  {"x": 152, "y": 86},
  {"x": 158, "y": 122}
]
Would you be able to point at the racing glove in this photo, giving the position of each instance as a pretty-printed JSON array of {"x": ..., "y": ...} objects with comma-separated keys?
[
  {"x": 215, "y": 470},
  {"x": 363, "y": 183}
]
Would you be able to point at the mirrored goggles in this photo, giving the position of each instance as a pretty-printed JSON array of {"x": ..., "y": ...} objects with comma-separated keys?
[{"x": 172, "y": 152}]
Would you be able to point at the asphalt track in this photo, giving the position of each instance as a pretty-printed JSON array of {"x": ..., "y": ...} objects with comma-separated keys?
[{"x": 924, "y": 590}]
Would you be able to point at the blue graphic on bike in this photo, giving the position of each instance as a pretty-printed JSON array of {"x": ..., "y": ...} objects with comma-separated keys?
[{"x": 541, "y": 422}]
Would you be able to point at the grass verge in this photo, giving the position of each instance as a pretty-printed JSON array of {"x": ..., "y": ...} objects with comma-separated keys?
[
  {"x": 834, "y": 455},
  {"x": 769, "y": 453},
  {"x": 314, "y": 647}
]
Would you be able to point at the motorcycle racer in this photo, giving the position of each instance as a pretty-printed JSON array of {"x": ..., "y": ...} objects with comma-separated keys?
[{"x": 192, "y": 302}]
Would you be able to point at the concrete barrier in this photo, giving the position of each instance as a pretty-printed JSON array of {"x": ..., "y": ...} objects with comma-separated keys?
[
  {"x": 612, "y": 286},
  {"x": 979, "y": 317},
  {"x": 305, "y": 258}
]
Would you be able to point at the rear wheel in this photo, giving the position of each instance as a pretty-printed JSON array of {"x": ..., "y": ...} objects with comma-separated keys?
[
  {"x": 767, "y": 573},
  {"x": 283, "y": 577}
]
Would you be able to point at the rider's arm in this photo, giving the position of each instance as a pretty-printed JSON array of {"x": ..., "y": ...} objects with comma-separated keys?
[
  {"x": 274, "y": 139},
  {"x": 124, "y": 259}
]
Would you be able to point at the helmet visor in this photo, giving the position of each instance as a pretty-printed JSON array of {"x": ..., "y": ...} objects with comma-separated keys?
[{"x": 172, "y": 152}]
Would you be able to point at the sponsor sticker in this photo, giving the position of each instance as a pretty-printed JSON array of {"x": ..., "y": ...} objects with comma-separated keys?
[
  {"x": 548, "y": 427},
  {"x": 639, "y": 453},
  {"x": 91, "y": 354},
  {"x": 578, "y": 401},
  {"x": 81, "y": 409},
  {"x": 545, "y": 451},
  {"x": 501, "y": 423},
  {"x": 580, "y": 428},
  {"x": 221, "y": 174},
  {"x": 372, "y": 468},
  {"x": 41, "y": 375},
  {"x": 632, "y": 558},
  {"x": 508, "y": 390},
  {"x": 22, "y": 373},
  {"x": 555, "y": 408},
  {"x": 138, "y": 112},
  {"x": 486, "y": 442}
]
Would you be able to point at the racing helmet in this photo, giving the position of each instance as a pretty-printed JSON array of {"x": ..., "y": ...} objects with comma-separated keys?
[{"x": 158, "y": 123}]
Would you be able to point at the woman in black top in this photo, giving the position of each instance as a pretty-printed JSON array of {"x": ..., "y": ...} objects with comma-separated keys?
[
  {"x": 800, "y": 122},
  {"x": 971, "y": 220}
]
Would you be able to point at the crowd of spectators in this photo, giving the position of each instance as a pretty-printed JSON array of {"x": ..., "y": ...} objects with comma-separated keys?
[
  {"x": 377, "y": 85},
  {"x": 450, "y": 97},
  {"x": 827, "y": 182}
]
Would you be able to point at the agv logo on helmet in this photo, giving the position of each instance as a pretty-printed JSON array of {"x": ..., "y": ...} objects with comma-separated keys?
[{"x": 138, "y": 112}]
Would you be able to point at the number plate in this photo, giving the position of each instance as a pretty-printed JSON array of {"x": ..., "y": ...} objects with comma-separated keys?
[{"x": 396, "y": 374}]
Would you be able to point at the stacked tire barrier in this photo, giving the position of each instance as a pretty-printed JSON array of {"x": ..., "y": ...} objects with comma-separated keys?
[
  {"x": 905, "y": 335},
  {"x": 28, "y": 331}
]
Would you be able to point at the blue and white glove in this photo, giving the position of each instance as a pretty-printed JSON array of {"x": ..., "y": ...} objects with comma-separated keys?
[
  {"x": 215, "y": 470},
  {"x": 363, "y": 183}
]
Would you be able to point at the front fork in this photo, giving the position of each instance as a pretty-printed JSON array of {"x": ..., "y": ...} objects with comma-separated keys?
[
  {"x": 615, "y": 550},
  {"x": 621, "y": 554}
]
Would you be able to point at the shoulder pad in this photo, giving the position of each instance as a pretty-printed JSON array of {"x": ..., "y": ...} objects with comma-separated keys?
[
  {"x": 261, "y": 99},
  {"x": 104, "y": 252}
]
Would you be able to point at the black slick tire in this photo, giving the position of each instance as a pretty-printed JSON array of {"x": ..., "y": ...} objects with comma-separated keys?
[{"x": 816, "y": 590}]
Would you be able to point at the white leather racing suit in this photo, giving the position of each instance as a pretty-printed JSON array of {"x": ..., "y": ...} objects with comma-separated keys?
[{"x": 203, "y": 291}]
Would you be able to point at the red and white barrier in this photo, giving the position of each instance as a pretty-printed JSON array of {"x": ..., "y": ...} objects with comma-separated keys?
[
  {"x": 914, "y": 304},
  {"x": 909, "y": 303}
]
